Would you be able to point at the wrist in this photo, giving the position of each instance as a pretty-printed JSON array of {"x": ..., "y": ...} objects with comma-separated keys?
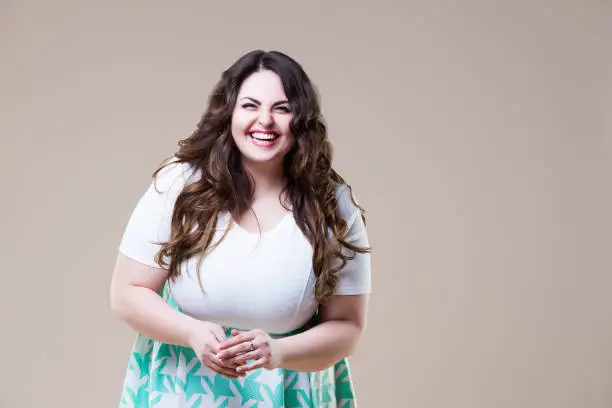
[
  {"x": 279, "y": 352},
  {"x": 189, "y": 326}
]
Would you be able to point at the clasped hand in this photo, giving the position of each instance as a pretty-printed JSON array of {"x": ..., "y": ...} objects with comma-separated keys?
[
  {"x": 250, "y": 350},
  {"x": 237, "y": 355}
]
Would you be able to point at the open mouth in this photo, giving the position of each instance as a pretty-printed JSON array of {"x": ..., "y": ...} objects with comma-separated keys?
[{"x": 264, "y": 138}]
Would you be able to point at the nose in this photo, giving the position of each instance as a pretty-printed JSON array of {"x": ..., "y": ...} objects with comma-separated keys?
[{"x": 265, "y": 118}]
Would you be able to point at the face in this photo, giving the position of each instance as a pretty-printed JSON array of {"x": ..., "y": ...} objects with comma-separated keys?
[{"x": 261, "y": 117}]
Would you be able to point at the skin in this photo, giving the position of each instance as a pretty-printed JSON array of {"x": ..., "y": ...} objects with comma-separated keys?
[
  {"x": 261, "y": 104},
  {"x": 135, "y": 288}
]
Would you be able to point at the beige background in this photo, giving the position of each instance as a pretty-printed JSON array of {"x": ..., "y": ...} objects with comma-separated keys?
[{"x": 477, "y": 134}]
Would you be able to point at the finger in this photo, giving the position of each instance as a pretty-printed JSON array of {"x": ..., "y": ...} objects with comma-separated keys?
[
  {"x": 253, "y": 365},
  {"x": 235, "y": 332},
  {"x": 236, "y": 350},
  {"x": 228, "y": 364},
  {"x": 224, "y": 364},
  {"x": 238, "y": 361},
  {"x": 226, "y": 372},
  {"x": 239, "y": 338},
  {"x": 232, "y": 341}
]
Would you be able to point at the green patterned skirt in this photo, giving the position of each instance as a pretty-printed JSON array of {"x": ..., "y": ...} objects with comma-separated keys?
[{"x": 162, "y": 375}]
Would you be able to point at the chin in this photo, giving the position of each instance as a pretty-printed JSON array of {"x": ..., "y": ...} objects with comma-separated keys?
[{"x": 255, "y": 157}]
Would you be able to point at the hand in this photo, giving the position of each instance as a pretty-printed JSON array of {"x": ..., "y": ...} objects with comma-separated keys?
[
  {"x": 255, "y": 345},
  {"x": 205, "y": 339}
]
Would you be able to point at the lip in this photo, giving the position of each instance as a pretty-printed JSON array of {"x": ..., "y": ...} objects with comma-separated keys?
[{"x": 265, "y": 132}]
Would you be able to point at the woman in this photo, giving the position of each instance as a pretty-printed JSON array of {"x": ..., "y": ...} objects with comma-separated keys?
[{"x": 245, "y": 266}]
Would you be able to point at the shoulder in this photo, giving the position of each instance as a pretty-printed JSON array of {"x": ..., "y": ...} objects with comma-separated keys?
[
  {"x": 174, "y": 175},
  {"x": 347, "y": 203}
]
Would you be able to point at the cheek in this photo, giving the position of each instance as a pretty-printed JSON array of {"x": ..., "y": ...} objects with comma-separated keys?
[
  {"x": 289, "y": 143},
  {"x": 283, "y": 124},
  {"x": 289, "y": 137},
  {"x": 241, "y": 122}
]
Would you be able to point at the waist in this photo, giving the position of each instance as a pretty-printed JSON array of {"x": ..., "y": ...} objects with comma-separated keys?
[{"x": 310, "y": 324}]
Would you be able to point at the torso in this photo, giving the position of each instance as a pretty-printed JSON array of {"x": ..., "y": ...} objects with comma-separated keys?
[
  {"x": 252, "y": 280},
  {"x": 258, "y": 276}
]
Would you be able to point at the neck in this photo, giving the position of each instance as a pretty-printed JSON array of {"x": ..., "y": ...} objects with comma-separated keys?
[{"x": 268, "y": 177}]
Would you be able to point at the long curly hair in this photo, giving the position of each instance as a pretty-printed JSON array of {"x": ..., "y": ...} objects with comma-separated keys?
[{"x": 225, "y": 186}]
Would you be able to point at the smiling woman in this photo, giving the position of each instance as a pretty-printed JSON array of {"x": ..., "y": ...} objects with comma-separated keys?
[
  {"x": 261, "y": 120},
  {"x": 245, "y": 266}
]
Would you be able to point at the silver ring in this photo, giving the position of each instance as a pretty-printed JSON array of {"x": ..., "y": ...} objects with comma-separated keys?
[{"x": 252, "y": 345}]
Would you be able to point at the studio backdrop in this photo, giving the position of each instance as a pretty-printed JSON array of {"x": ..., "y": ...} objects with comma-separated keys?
[{"x": 477, "y": 135}]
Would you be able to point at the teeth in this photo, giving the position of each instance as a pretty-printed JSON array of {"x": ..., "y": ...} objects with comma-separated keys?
[{"x": 263, "y": 136}]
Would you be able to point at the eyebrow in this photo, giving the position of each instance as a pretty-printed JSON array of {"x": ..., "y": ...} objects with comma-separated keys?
[{"x": 259, "y": 103}]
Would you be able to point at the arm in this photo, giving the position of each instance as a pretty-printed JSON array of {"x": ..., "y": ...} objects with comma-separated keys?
[
  {"x": 343, "y": 318},
  {"x": 135, "y": 290},
  {"x": 138, "y": 279},
  {"x": 342, "y": 324},
  {"x": 135, "y": 298}
]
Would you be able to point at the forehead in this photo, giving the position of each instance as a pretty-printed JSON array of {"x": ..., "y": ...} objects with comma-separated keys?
[{"x": 263, "y": 86}]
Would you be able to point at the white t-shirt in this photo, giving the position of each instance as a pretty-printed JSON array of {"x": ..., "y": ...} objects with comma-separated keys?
[{"x": 250, "y": 280}]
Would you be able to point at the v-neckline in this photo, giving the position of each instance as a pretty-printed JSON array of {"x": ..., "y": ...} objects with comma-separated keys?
[{"x": 266, "y": 232}]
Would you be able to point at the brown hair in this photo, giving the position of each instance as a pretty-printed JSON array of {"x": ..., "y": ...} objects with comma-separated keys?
[{"x": 225, "y": 186}]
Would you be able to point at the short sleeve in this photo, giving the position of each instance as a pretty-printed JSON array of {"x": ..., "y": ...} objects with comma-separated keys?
[
  {"x": 355, "y": 277},
  {"x": 150, "y": 221}
]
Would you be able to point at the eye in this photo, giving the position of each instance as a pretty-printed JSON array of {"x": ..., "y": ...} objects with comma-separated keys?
[
  {"x": 284, "y": 108},
  {"x": 248, "y": 105}
]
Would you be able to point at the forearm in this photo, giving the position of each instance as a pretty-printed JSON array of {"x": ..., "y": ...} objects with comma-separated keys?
[
  {"x": 319, "y": 347},
  {"x": 147, "y": 313}
]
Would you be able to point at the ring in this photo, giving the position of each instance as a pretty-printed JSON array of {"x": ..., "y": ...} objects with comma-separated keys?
[{"x": 252, "y": 345}]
